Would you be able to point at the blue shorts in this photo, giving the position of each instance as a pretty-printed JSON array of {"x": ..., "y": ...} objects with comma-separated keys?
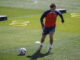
[{"x": 48, "y": 30}]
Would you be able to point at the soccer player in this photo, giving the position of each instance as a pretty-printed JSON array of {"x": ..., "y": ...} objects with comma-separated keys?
[{"x": 50, "y": 24}]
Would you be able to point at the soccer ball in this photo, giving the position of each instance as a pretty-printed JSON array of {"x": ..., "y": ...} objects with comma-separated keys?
[{"x": 22, "y": 51}]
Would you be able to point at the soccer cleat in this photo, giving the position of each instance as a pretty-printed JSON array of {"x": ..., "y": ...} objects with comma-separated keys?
[{"x": 50, "y": 49}]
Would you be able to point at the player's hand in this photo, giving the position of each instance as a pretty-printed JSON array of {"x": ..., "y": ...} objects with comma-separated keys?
[
  {"x": 62, "y": 21},
  {"x": 42, "y": 28}
]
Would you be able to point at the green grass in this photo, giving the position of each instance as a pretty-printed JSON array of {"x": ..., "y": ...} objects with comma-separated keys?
[
  {"x": 28, "y": 15},
  {"x": 18, "y": 12},
  {"x": 66, "y": 39},
  {"x": 66, "y": 45}
]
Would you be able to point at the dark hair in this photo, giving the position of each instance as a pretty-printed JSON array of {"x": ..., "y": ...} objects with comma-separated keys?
[{"x": 52, "y": 5}]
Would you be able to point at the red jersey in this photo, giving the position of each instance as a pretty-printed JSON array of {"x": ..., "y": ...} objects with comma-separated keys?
[{"x": 51, "y": 19}]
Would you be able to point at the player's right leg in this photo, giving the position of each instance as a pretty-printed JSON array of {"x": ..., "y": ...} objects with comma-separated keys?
[
  {"x": 42, "y": 41},
  {"x": 43, "y": 38},
  {"x": 45, "y": 32}
]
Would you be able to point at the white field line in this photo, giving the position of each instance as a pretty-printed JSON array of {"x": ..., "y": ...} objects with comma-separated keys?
[
  {"x": 22, "y": 16},
  {"x": 77, "y": 15}
]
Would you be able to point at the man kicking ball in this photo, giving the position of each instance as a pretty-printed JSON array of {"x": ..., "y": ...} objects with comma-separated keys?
[{"x": 50, "y": 24}]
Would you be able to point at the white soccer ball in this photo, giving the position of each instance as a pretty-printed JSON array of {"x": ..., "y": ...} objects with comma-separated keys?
[{"x": 22, "y": 51}]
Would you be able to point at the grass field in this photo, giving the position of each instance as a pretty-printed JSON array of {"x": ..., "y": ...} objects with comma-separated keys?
[{"x": 23, "y": 29}]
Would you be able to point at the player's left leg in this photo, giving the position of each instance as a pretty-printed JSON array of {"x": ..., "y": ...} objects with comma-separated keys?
[{"x": 51, "y": 41}]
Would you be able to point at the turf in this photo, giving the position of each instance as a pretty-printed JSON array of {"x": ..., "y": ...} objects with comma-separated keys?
[{"x": 66, "y": 39}]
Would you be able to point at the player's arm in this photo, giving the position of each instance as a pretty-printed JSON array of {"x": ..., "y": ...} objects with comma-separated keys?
[
  {"x": 59, "y": 13},
  {"x": 41, "y": 19}
]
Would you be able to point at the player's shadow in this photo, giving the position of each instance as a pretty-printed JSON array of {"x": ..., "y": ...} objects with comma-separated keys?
[{"x": 37, "y": 55}]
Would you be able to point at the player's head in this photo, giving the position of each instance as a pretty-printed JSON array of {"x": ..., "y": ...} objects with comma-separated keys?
[{"x": 52, "y": 6}]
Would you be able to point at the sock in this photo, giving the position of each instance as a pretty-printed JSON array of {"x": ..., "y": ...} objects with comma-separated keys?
[
  {"x": 51, "y": 46},
  {"x": 41, "y": 44}
]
